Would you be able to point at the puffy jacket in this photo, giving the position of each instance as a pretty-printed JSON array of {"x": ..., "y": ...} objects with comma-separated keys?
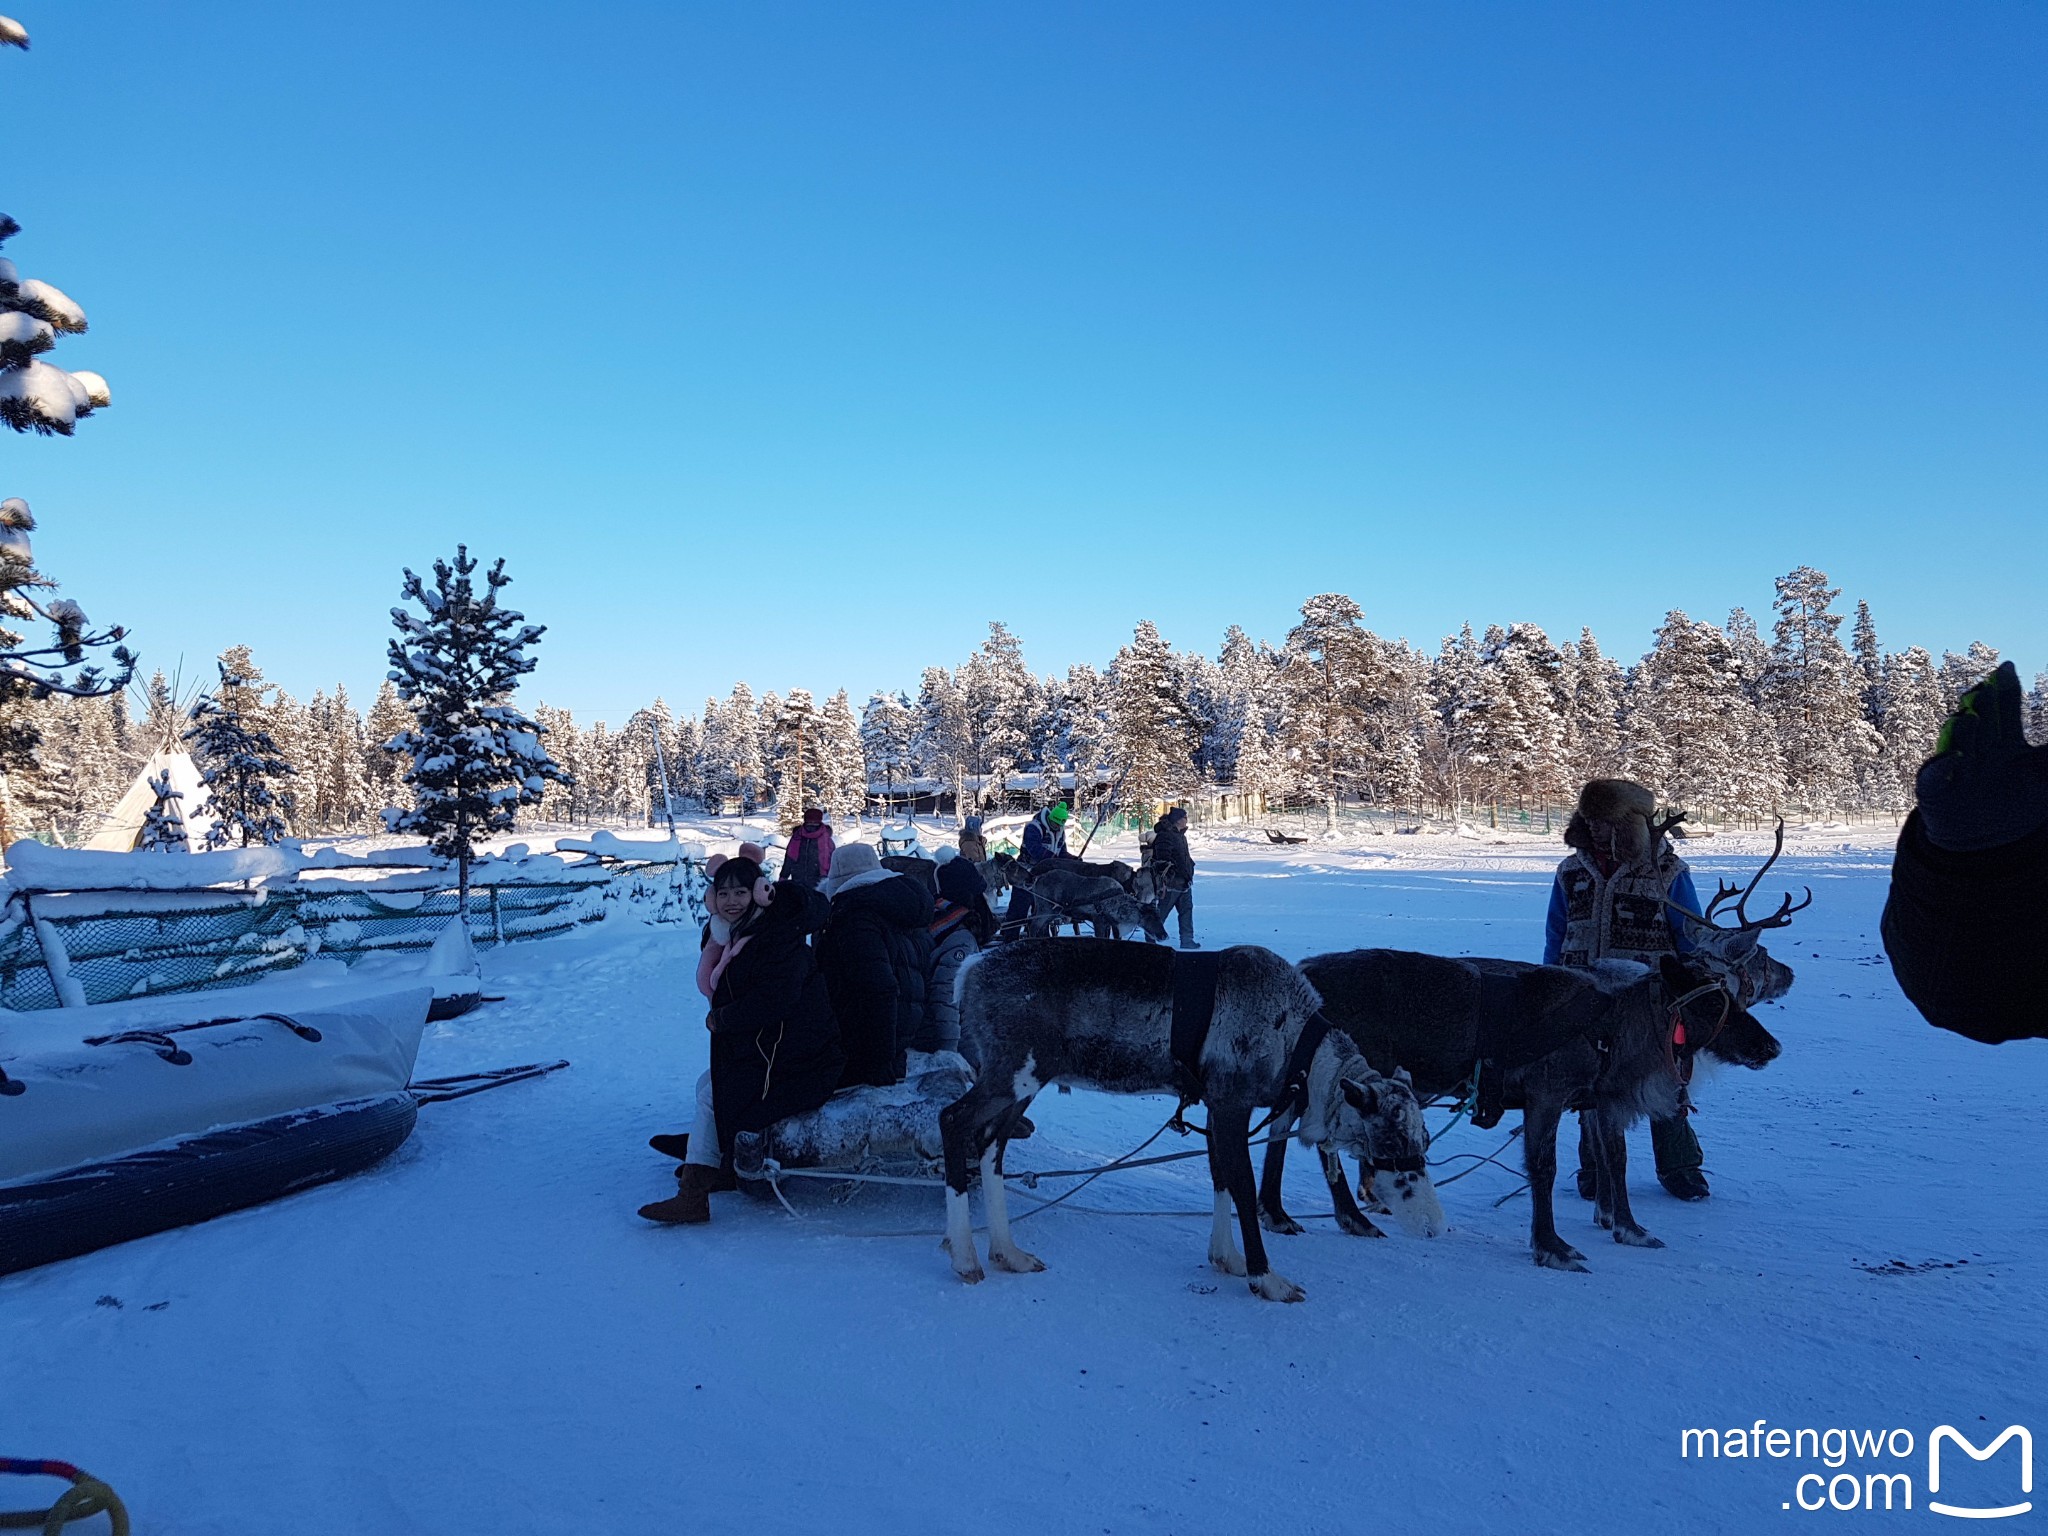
[
  {"x": 953, "y": 941},
  {"x": 1043, "y": 840},
  {"x": 877, "y": 955},
  {"x": 1629, "y": 914},
  {"x": 1170, "y": 852},
  {"x": 774, "y": 1047}
]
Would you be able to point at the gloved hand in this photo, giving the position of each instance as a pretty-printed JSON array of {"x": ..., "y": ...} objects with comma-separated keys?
[{"x": 1985, "y": 786}]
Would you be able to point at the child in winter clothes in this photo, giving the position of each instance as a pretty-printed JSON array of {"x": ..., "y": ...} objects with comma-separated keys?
[
  {"x": 774, "y": 1046},
  {"x": 972, "y": 844},
  {"x": 961, "y": 926}
]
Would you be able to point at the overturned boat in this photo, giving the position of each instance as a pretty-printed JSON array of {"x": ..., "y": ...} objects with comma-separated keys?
[{"x": 122, "y": 1119}]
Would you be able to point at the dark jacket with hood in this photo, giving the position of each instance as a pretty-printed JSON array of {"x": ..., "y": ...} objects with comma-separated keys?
[
  {"x": 876, "y": 951},
  {"x": 774, "y": 1047},
  {"x": 1170, "y": 855}
]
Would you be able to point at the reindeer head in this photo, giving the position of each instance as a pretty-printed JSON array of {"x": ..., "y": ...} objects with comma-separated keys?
[
  {"x": 1379, "y": 1122},
  {"x": 1734, "y": 954},
  {"x": 1716, "y": 1021}
]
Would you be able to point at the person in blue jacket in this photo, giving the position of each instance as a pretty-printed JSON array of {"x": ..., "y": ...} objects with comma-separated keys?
[
  {"x": 1045, "y": 835},
  {"x": 1617, "y": 896}
]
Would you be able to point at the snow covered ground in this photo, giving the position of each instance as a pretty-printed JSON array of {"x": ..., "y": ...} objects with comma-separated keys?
[{"x": 480, "y": 1336}]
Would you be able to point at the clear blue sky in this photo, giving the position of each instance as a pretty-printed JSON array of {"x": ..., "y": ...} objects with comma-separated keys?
[{"x": 797, "y": 342}]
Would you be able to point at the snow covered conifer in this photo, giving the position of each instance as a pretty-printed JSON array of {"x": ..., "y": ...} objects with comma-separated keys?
[
  {"x": 997, "y": 695},
  {"x": 1153, "y": 734},
  {"x": 942, "y": 732},
  {"x": 888, "y": 729},
  {"x": 475, "y": 758},
  {"x": 163, "y": 825},
  {"x": 1912, "y": 707},
  {"x": 239, "y": 763},
  {"x": 842, "y": 768},
  {"x": 1814, "y": 695}
]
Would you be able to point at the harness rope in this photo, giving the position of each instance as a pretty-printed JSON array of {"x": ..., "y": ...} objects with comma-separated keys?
[{"x": 87, "y": 1496}]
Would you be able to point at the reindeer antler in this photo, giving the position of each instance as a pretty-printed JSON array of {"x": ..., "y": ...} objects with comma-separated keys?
[{"x": 1744, "y": 923}]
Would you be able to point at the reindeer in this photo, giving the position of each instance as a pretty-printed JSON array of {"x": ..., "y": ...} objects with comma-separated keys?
[
  {"x": 1108, "y": 897},
  {"x": 1616, "y": 1042},
  {"x": 1103, "y": 1015},
  {"x": 1736, "y": 954}
]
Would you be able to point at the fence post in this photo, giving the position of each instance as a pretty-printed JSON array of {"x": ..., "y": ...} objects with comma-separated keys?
[{"x": 497, "y": 917}]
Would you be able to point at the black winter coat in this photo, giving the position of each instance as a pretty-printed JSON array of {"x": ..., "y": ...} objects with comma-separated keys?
[
  {"x": 877, "y": 957},
  {"x": 1968, "y": 934},
  {"x": 1170, "y": 852},
  {"x": 774, "y": 1047}
]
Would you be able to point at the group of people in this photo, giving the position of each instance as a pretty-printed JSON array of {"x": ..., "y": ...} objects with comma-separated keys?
[{"x": 823, "y": 978}]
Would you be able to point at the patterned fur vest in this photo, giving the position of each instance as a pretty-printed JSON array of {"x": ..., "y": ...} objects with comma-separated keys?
[{"x": 1620, "y": 916}]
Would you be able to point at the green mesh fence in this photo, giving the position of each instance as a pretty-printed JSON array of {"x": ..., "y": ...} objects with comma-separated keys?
[{"x": 104, "y": 946}]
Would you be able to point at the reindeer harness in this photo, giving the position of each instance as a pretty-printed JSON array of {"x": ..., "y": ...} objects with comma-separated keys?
[{"x": 1195, "y": 976}]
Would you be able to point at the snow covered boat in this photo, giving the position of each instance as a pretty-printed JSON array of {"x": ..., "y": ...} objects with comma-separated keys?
[{"x": 123, "y": 1119}]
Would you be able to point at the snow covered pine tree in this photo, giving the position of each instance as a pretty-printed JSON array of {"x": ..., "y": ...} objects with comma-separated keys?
[
  {"x": 237, "y": 761},
  {"x": 475, "y": 758},
  {"x": 37, "y": 397}
]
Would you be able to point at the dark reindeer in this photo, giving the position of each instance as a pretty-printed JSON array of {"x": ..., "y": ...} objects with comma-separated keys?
[
  {"x": 1100, "y": 1015},
  {"x": 1615, "y": 1042},
  {"x": 1108, "y": 897}
]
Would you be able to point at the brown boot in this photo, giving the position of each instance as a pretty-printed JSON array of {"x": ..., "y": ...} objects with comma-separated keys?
[{"x": 690, "y": 1205}]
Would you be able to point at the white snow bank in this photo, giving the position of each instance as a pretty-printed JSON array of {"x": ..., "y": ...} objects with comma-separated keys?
[{"x": 32, "y": 866}]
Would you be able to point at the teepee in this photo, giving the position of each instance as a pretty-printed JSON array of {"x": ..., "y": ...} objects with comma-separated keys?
[{"x": 172, "y": 769}]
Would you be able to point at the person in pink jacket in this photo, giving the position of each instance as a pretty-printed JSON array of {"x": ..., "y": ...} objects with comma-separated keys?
[{"x": 808, "y": 858}]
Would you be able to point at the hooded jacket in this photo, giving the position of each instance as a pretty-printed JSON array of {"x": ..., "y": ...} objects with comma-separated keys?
[
  {"x": 774, "y": 1047},
  {"x": 876, "y": 952},
  {"x": 808, "y": 858}
]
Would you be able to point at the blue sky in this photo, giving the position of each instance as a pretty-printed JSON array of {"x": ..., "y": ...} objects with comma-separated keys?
[{"x": 797, "y": 342}]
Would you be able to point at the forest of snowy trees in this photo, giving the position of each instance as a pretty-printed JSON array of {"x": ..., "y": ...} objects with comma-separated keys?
[{"x": 1735, "y": 720}]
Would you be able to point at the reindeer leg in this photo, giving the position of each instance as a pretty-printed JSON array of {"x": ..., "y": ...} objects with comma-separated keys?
[
  {"x": 1272, "y": 1215},
  {"x": 1349, "y": 1217},
  {"x": 1539, "y": 1148},
  {"x": 1614, "y": 1212},
  {"x": 1230, "y": 1169},
  {"x": 963, "y": 1127},
  {"x": 1003, "y": 1251}
]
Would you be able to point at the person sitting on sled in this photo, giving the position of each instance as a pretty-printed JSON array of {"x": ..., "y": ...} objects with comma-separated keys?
[
  {"x": 1617, "y": 897},
  {"x": 774, "y": 1044}
]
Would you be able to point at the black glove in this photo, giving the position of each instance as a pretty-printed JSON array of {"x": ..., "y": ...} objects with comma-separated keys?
[{"x": 1984, "y": 786}]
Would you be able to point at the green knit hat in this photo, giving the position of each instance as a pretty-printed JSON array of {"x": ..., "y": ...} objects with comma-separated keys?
[{"x": 1057, "y": 812}]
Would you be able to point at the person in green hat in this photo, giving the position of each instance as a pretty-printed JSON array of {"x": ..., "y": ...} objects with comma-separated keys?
[{"x": 1045, "y": 835}]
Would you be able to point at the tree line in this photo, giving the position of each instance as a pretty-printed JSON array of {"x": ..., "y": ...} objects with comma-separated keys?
[{"x": 1721, "y": 718}]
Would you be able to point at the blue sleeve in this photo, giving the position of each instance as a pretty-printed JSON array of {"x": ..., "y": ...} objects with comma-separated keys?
[
  {"x": 1683, "y": 895},
  {"x": 1553, "y": 925}
]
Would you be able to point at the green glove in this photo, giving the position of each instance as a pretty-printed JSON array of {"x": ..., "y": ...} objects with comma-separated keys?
[{"x": 1984, "y": 786}]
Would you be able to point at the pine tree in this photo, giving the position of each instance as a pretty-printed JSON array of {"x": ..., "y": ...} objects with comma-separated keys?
[
  {"x": 1813, "y": 695},
  {"x": 996, "y": 693},
  {"x": 1869, "y": 666},
  {"x": 1337, "y": 687},
  {"x": 942, "y": 733},
  {"x": 888, "y": 729},
  {"x": 163, "y": 825},
  {"x": 842, "y": 768},
  {"x": 239, "y": 763},
  {"x": 384, "y": 771},
  {"x": 1961, "y": 673},
  {"x": 2037, "y": 710},
  {"x": 475, "y": 757},
  {"x": 1153, "y": 735},
  {"x": 1081, "y": 737},
  {"x": 796, "y": 742},
  {"x": 1912, "y": 707},
  {"x": 1460, "y": 689},
  {"x": 1593, "y": 691},
  {"x": 1521, "y": 733}
]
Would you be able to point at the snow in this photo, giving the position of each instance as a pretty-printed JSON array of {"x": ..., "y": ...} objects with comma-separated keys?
[
  {"x": 35, "y": 867},
  {"x": 486, "y": 1327}
]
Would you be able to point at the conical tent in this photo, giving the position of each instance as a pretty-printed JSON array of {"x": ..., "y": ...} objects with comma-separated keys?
[{"x": 123, "y": 827}]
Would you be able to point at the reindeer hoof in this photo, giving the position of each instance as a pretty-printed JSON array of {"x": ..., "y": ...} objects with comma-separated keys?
[
  {"x": 1272, "y": 1287},
  {"x": 1016, "y": 1261},
  {"x": 1564, "y": 1257},
  {"x": 1357, "y": 1226},
  {"x": 1280, "y": 1222},
  {"x": 1228, "y": 1263},
  {"x": 1636, "y": 1237},
  {"x": 1604, "y": 1220},
  {"x": 1368, "y": 1198}
]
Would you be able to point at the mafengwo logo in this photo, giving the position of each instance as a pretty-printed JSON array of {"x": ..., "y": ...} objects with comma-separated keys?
[
  {"x": 1871, "y": 1470},
  {"x": 1948, "y": 1434}
]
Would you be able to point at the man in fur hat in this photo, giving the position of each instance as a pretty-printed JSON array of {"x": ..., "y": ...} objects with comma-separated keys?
[{"x": 1615, "y": 898}]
